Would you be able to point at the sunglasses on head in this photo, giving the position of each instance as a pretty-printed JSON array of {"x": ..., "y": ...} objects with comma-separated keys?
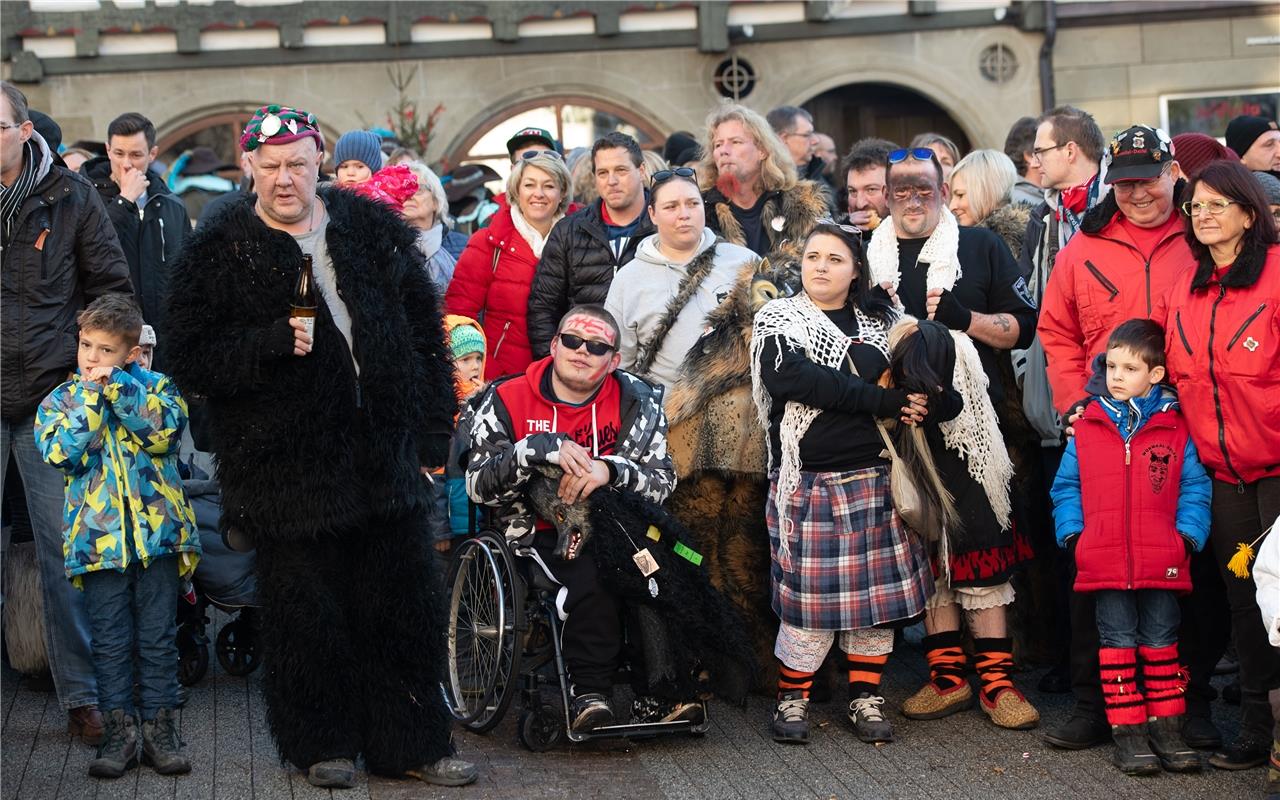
[
  {"x": 849, "y": 229},
  {"x": 664, "y": 175},
  {"x": 916, "y": 153},
  {"x": 573, "y": 342},
  {"x": 528, "y": 154}
]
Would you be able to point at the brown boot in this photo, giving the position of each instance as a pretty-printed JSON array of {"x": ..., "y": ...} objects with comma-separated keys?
[{"x": 86, "y": 722}]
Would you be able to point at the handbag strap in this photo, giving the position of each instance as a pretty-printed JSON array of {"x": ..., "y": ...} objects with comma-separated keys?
[{"x": 884, "y": 434}]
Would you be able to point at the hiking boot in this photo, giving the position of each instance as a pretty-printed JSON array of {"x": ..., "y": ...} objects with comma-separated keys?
[
  {"x": 118, "y": 751},
  {"x": 448, "y": 771},
  {"x": 336, "y": 773},
  {"x": 1132, "y": 755},
  {"x": 930, "y": 702},
  {"x": 1079, "y": 732},
  {"x": 1165, "y": 737},
  {"x": 86, "y": 722},
  {"x": 791, "y": 719},
  {"x": 1200, "y": 732},
  {"x": 589, "y": 711},
  {"x": 161, "y": 747},
  {"x": 867, "y": 715},
  {"x": 1011, "y": 710},
  {"x": 1243, "y": 753}
]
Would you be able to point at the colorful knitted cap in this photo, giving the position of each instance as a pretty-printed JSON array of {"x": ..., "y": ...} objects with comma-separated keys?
[
  {"x": 277, "y": 124},
  {"x": 465, "y": 340}
]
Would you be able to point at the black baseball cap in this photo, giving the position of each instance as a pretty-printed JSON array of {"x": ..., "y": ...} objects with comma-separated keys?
[{"x": 1138, "y": 153}]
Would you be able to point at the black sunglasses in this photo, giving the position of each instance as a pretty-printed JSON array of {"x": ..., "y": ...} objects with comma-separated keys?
[
  {"x": 664, "y": 175},
  {"x": 594, "y": 348}
]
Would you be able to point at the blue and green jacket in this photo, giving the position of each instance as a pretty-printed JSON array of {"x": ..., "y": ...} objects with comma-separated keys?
[{"x": 118, "y": 447}]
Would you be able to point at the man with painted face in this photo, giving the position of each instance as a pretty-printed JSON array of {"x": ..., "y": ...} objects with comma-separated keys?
[
  {"x": 323, "y": 433},
  {"x": 966, "y": 279},
  {"x": 604, "y": 427}
]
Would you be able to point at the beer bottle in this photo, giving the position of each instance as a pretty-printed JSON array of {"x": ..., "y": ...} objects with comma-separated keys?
[{"x": 304, "y": 297}]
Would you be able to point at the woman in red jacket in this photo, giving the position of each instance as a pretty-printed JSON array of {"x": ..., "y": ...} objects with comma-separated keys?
[
  {"x": 491, "y": 281},
  {"x": 1223, "y": 323}
]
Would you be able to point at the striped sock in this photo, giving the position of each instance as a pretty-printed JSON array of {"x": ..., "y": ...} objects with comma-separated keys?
[
  {"x": 793, "y": 680},
  {"x": 865, "y": 673},
  {"x": 1119, "y": 672},
  {"x": 946, "y": 659},
  {"x": 1162, "y": 681},
  {"x": 993, "y": 659}
]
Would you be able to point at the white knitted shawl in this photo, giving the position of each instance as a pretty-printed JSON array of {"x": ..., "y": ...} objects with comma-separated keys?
[
  {"x": 975, "y": 433},
  {"x": 799, "y": 324}
]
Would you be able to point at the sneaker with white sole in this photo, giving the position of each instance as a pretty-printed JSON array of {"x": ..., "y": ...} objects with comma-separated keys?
[{"x": 866, "y": 712}]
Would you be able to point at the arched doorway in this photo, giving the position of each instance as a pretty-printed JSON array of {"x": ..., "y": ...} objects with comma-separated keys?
[{"x": 883, "y": 110}]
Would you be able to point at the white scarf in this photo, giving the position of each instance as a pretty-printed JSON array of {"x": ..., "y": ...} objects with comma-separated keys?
[
  {"x": 799, "y": 324},
  {"x": 975, "y": 433},
  {"x": 536, "y": 240}
]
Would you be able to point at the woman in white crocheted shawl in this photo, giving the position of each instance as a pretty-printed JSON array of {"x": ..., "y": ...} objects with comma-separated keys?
[{"x": 842, "y": 560}]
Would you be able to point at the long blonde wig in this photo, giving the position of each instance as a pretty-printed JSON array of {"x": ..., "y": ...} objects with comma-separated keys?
[{"x": 777, "y": 171}]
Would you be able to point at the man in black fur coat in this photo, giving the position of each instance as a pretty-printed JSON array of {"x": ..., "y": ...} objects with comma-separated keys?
[{"x": 321, "y": 444}]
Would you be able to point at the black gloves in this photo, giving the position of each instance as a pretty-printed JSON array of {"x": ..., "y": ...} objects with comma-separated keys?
[
  {"x": 951, "y": 313},
  {"x": 892, "y": 401},
  {"x": 277, "y": 339}
]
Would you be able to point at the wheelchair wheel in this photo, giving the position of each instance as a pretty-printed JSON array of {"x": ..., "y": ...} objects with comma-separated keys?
[
  {"x": 540, "y": 729},
  {"x": 237, "y": 648},
  {"x": 486, "y": 621},
  {"x": 193, "y": 656}
]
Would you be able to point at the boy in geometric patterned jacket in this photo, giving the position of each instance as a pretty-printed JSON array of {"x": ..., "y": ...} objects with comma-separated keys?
[
  {"x": 129, "y": 532},
  {"x": 1131, "y": 503}
]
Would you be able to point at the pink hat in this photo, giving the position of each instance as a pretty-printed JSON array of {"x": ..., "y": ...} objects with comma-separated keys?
[{"x": 276, "y": 124}]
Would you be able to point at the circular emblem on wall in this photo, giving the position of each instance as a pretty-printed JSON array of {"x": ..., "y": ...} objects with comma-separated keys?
[
  {"x": 734, "y": 78},
  {"x": 997, "y": 63}
]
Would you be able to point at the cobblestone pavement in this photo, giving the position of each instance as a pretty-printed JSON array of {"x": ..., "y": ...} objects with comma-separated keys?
[{"x": 962, "y": 756}]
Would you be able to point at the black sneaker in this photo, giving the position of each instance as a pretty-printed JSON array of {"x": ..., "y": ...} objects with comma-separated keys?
[
  {"x": 1164, "y": 734},
  {"x": 1078, "y": 733},
  {"x": 161, "y": 747},
  {"x": 791, "y": 719},
  {"x": 1133, "y": 755},
  {"x": 867, "y": 715},
  {"x": 1243, "y": 753},
  {"x": 589, "y": 711},
  {"x": 118, "y": 752}
]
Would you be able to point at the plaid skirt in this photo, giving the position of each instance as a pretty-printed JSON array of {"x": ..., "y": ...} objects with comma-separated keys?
[{"x": 847, "y": 561}]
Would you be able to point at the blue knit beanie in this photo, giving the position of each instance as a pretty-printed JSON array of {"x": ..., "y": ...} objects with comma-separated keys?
[
  {"x": 361, "y": 146},
  {"x": 465, "y": 340}
]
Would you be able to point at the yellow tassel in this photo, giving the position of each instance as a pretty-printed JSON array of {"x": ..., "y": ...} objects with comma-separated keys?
[{"x": 1239, "y": 563}]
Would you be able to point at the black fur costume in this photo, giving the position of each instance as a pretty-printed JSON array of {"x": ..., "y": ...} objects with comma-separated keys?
[{"x": 321, "y": 471}]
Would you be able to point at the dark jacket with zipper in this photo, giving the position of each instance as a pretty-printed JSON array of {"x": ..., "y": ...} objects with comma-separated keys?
[
  {"x": 150, "y": 239},
  {"x": 1099, "y": 280},
  {"x": 577, "y": 267},
  {"x": 63, "y": 255},
  {"x": 306, "y": 447}
]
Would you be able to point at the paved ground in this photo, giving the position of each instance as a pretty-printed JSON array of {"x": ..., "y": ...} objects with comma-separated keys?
[{"x": 962, "y": 756}]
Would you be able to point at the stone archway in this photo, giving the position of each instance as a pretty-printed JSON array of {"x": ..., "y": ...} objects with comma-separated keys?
[{"x": 883, "y": 110}]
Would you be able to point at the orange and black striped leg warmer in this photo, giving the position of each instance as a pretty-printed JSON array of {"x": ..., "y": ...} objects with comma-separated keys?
[
  {"x": 1119, "y": 671},
  {"x": 793, "y": 680},
  {"x": 1163, "y": 681},
  {"x": 993, "y": 659},
  {"x": 865, "y": 673},
  {"x": 946, "y": 659}
]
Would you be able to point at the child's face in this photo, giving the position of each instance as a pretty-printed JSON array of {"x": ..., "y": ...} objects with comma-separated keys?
[
  {"x": 102, "y": 349},
  {"x": 1128, "y": 375},
  {"x": 353, "y": 173},
  {"x": 145, "y": 353},
  {"x": 470, "y": 367}
]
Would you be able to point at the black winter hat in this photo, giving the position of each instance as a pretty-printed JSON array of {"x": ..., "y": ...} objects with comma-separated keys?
[{"x": 1243, "y": 131}]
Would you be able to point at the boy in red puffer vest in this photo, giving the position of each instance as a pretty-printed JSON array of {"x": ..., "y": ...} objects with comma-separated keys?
[{"x": 1131, "y": 502}]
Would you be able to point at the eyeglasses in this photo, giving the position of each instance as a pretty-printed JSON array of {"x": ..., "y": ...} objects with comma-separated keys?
[
  {"x": 664, "y": 175},
  {"x": 849, "y": 229},
  {"x": 529, "y": 154},
  {"x": 573, "y": 342},
  {"x": 4, "y": 126},
  {"x": 806, "y": 134},
  {"x": 916, "y": 153},
  {"x": 1214, "y": 207},
  {"x": 1036, "y": 152}
]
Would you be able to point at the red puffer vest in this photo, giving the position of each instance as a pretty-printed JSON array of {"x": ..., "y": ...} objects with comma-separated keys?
[{"x": 1129, "y": 494}]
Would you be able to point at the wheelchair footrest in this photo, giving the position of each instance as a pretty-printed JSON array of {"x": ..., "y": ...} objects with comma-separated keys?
[{"x": 641, "y": 729}]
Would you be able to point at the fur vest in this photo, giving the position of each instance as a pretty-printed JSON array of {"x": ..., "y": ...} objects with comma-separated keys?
[
  {"x": 307, "y": 447},
  {"x": 798, "y": 208},
  {"x": 1009, "y": 222}
]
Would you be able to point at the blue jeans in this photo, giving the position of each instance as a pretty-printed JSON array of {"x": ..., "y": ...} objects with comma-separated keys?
[
  {"x": 137, "y": 605},
  {"x": 1127, "y": 619},
  {"x": 66, "y": 625}
]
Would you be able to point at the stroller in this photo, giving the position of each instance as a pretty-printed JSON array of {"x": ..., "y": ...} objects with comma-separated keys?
[{"x": 224, "y": 579}]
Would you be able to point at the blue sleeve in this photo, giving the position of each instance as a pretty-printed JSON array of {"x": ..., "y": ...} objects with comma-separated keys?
[
  {"x": 70, "y": 426},
  {"x": 155, "y": 415},
  {"x": 1068, "y": 511},
  {"x": 459, "y": 507},
  {"x": 1195, "y": 491}
]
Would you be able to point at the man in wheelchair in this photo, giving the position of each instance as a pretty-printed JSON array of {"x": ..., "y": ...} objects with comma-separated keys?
[{"x": 604, "y": 427}]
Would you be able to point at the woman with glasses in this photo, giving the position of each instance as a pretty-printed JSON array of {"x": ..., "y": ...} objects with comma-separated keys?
[
  {"x": 1222, "y": 325},
  {"x": 679, "y": 275},
  {"x": 492, "y": 278},
  {"x": 842, "y": 559},
  {"x": 427, "y": 212}
]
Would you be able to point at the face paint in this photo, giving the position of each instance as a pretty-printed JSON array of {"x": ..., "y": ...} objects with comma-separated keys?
[{"x": 588, "y": 328}]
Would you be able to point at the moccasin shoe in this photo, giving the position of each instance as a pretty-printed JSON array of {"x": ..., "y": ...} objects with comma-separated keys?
[{"x": 934, "y": 703}]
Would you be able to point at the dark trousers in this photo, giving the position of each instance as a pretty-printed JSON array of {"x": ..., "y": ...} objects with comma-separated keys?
[
  {"x": 591, "y": 639},
  {"x": 353, "y": 643},
  {"x": 1240, "y": 515}
]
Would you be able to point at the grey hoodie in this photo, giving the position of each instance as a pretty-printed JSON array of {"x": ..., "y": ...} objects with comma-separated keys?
[{"x": 641, "y": 290}]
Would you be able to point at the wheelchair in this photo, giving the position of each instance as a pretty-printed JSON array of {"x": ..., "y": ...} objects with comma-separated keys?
[{"x": 504, "y": 640}]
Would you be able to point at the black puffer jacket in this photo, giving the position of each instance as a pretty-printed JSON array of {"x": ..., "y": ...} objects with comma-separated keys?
[
  {"x": 306, "y": 448},
  {"x": 63, "y": 255},
  {"x": 577, "y": 267},
  {"x": 150, "y": 242}
]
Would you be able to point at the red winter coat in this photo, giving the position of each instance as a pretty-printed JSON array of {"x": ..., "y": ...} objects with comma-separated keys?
[
  {"x": 1130, "y": 500},
  {"x": 1223, "y": 352},
  {"x": 1099, "y": 280},
  {"x": 491, "y": 283}
]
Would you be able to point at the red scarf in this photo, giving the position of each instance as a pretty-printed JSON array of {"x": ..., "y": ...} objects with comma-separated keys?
[{"x": 1075, "y": 199}]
